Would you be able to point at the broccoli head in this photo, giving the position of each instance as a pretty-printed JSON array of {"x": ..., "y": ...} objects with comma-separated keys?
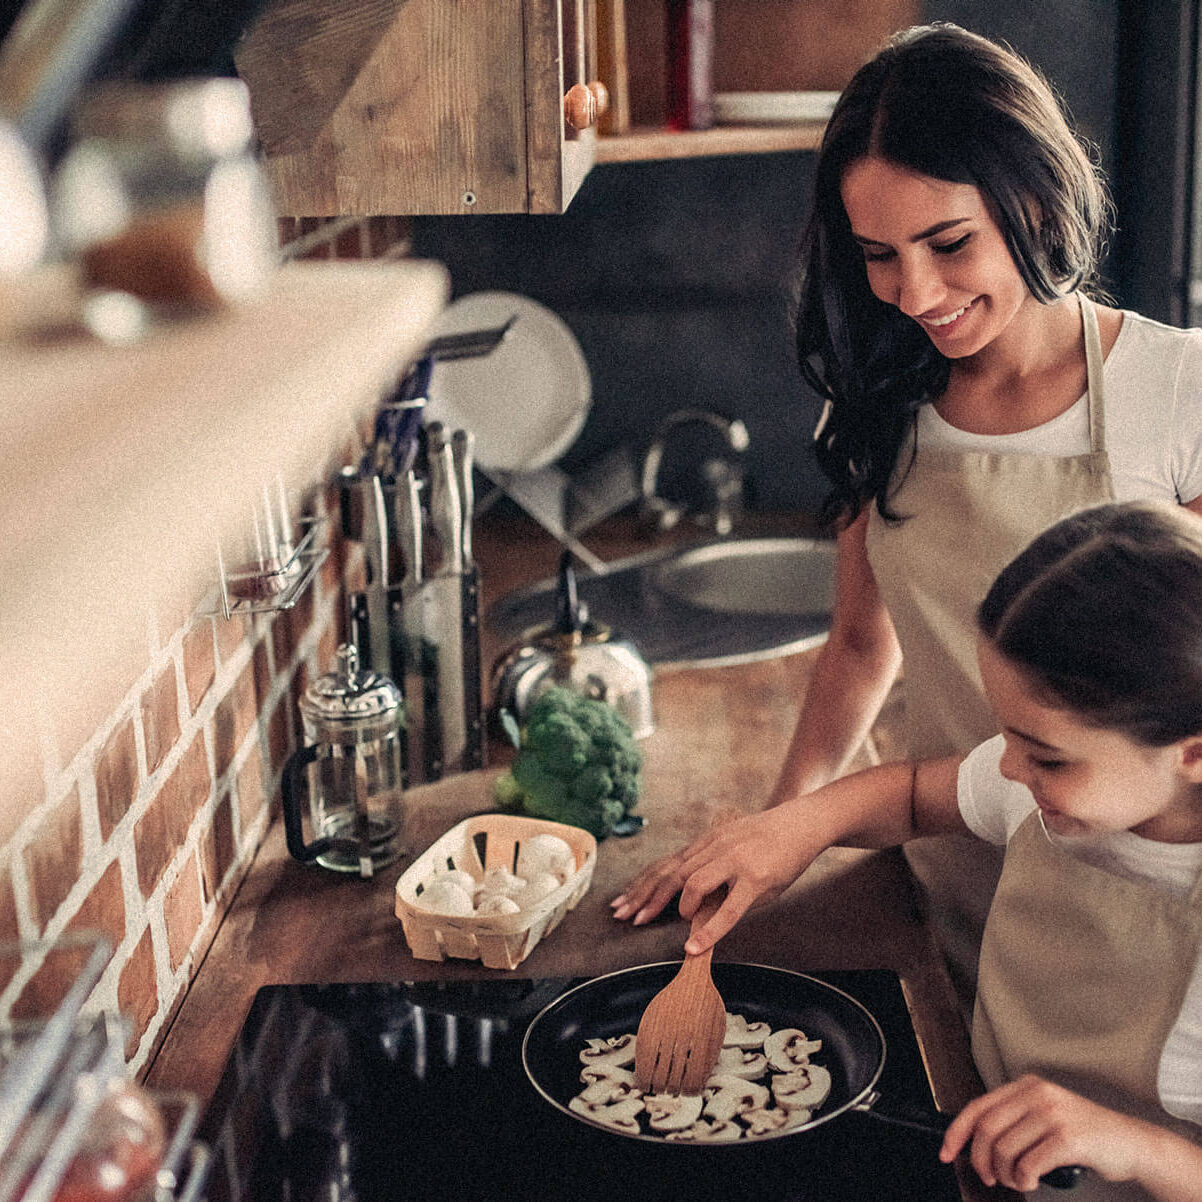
[{"x": 577, "y": 762}]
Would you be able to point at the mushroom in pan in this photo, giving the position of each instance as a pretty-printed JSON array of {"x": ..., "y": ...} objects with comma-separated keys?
[
  {"x": 789, "y": 1048},
  {"x": 742, "y": 1034},
  {"x": 622, "y": 1116},
  {"x": 728, "y": 1096},
  {"x": 705, "y": 1131},
  {"x": 738, "y": 1062},
  {"x": 618, "y": 1051},
  {"x": 672, "y": 1112},
  {"x": 605, "y": 1089},
  {"x": 803, "y": 1088},
  {"x": 606, "y": 1070},
  {"x": 764, "y": 1121}
]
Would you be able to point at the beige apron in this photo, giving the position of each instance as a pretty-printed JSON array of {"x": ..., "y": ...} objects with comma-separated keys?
[
  {"x": 1082, "y": 977},
  {"x": 967, "y": 514}
]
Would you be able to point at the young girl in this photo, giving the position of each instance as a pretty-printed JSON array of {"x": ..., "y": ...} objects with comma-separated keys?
[
  {"x": 975, "y": 396},
  {"x": 1088, "y": 1022}
]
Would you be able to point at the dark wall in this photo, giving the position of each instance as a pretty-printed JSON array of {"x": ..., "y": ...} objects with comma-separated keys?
[{"x": 675, "y": 275}]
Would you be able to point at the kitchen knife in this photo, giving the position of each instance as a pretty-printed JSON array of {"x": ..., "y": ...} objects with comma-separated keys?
[
  {"x": 462, "y": 452},
  {"x": 407, "y": 608},
  {"x": 365, "y": 519},
  {"x": 445, "y": 603}
]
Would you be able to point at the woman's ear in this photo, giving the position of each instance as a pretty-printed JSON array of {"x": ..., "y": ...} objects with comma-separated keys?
[{"x": 1190, "y": 758}]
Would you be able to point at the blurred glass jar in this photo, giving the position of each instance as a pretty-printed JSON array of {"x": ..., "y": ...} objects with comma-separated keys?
[{"x": 160, "y": 196}]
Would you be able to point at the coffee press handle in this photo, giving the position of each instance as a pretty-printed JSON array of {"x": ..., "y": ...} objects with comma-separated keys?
[{"x": 294, "y": 791}]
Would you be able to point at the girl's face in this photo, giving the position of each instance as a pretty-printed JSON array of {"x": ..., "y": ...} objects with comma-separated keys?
[
  {"x": 1084, "y": 778},
  {"x": 933, "y": 250}
]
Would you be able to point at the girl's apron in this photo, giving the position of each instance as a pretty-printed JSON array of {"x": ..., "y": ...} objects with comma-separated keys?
[
  {"x": 1082, "y": 977},
  {"x": 966, "y": 515}
]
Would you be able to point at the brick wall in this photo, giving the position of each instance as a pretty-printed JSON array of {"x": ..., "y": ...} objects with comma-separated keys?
[{"x": 137, "y": 812}]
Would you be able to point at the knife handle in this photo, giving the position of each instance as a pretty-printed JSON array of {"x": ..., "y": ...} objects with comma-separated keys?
[
  {"x": 463, "y": 447},
  {"x": 446, "y": 517}
]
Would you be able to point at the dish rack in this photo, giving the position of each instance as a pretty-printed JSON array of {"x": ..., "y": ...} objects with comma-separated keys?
[
  {"x": 56, "y": 1071},
  {"x": 474, "y": 846}
]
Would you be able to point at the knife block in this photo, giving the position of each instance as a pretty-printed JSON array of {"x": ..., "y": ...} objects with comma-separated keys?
[{"x": 417, "y": 623}]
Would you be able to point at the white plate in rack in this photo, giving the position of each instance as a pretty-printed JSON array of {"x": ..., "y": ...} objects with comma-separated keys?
[
  {"x": 526, "y": 401},
  {"x": 753, "y": 108}
]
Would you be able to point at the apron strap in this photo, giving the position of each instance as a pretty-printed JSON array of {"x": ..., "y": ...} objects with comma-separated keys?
[{"x": 1094, "y": 374}]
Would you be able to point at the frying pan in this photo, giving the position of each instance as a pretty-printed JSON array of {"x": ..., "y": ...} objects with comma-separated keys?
[{"x": 853, "y": 1044}]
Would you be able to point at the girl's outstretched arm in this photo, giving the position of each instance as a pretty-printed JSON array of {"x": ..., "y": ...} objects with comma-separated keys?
[
  {"x": 1024, "y": 1129},
  {"x": 758, "y": 856}
]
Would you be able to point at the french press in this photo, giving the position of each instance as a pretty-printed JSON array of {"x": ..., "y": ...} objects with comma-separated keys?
[{"x": 350, "y": 768}]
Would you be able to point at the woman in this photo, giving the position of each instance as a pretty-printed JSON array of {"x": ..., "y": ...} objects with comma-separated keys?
[{"x": 975, "y": 395}]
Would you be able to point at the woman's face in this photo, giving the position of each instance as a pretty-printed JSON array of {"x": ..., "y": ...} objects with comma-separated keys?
[
  {"x": 934, "y": 250},
  {"x": 1085, "y": 778}
]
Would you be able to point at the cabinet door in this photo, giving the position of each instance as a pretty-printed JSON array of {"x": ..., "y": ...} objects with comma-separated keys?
[{"x": 419, "y": 106}]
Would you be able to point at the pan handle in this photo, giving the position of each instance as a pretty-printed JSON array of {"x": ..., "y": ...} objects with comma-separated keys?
[{"x": 1064, "y": 1177}]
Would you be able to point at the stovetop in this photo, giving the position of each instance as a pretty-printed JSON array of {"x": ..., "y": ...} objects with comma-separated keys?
[{"x": 415, "y": 1090}]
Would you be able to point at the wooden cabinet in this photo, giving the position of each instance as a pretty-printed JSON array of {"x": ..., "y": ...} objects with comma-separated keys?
[{"x": 375, "y": 107}]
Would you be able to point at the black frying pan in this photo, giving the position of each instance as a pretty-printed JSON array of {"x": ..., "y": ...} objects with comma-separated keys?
[{"x": 853, "y": 1044}]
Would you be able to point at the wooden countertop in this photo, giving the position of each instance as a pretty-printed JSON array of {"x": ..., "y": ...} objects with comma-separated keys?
[{"x": 720, "y": 736}]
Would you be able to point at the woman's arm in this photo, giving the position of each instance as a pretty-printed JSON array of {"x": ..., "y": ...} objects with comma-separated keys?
[
  {"x": 758, "y": 856},
  {"x": 1024, "y": 1129},
  {"x": 852, "y": 677}
]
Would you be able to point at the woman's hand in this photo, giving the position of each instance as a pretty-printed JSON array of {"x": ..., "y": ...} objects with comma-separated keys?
[
  {"x": 756, "y": 857},
  {"x": 1025, "y": 1129}
]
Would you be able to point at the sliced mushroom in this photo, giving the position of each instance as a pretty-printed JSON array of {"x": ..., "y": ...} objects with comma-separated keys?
[
  {"x": 763, "y": 1121},
  {"x": 728, "y": 1096},
  {"x": 789, "y": 1048},
  {"x": 618, "y": 1051},
  {"x": 797, "y": 1118},
  {"x": 704, "y": 1131},
  {"x": 672, "y": 1112},
  {"x": 742, "y": 1034},
  {"x": 606, "y": 1070},
  {"x": 738, "y": 1062},
  {"x": 622, "y": 1116},
  {"x": 806, "y": 1088},
  {"x": 606, "y": 1089}
]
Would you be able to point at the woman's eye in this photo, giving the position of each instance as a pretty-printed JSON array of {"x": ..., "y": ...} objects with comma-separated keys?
[
  {"x": 1049, "y": 765},
  {"x": 950, "y": 248},
  {"x": 876, "y": 256}
]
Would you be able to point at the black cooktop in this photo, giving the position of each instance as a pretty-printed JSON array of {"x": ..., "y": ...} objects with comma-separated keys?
[{"x": 415, "y": 1090}]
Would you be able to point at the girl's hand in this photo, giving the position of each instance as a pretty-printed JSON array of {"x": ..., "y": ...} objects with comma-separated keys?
[
  {"x": 1030, "y": 1126},
  {"x": 755, "y": 857}
]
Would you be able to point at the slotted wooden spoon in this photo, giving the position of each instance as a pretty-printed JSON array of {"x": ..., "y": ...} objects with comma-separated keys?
[{"x": 681, "y": 1031}]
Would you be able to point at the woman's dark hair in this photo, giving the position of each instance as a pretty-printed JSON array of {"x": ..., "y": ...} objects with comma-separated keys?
[
  {"x": 1102, "y": 613},
  {"x": 955, "y": 106}
]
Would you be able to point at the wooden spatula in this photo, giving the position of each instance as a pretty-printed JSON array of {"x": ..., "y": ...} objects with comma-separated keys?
[{"x": 681, "y": 1031}]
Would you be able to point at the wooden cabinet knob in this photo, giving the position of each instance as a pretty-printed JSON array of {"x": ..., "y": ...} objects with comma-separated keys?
[
  {"x": 600, "y": 95},
  {"x": 580, "y": 107}
]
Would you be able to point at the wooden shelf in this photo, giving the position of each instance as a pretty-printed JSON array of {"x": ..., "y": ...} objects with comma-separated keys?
[{"x": 648, "y": 143}]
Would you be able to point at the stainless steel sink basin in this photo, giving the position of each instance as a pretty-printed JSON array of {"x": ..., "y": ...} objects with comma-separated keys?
[{"x": 725, "y": 602}]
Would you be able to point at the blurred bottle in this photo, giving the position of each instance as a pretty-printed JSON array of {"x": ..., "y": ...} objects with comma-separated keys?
[{"x": 690, "y": 64}]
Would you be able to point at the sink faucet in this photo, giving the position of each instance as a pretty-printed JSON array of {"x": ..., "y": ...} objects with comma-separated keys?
[{"x": 723, "y": 474}]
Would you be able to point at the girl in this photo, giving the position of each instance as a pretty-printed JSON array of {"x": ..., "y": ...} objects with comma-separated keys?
[
  {"x": 1088, "y": 1022},
  {"x": 975, "y": 395}
]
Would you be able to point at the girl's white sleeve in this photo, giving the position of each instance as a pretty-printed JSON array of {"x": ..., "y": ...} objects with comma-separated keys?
[{"x": 992, "y": 806}]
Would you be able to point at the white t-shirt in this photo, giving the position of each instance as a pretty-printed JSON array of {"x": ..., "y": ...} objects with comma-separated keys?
[
  {"x": 1153, "y": 415},
  {"x": 994, "y": 808}
]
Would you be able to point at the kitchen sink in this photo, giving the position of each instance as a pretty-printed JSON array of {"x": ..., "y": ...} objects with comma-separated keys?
[{"x": 725, "y": 602}]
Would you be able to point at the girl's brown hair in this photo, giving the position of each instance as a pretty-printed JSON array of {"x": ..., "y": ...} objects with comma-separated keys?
[{"x": 1103, "y": 614}]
